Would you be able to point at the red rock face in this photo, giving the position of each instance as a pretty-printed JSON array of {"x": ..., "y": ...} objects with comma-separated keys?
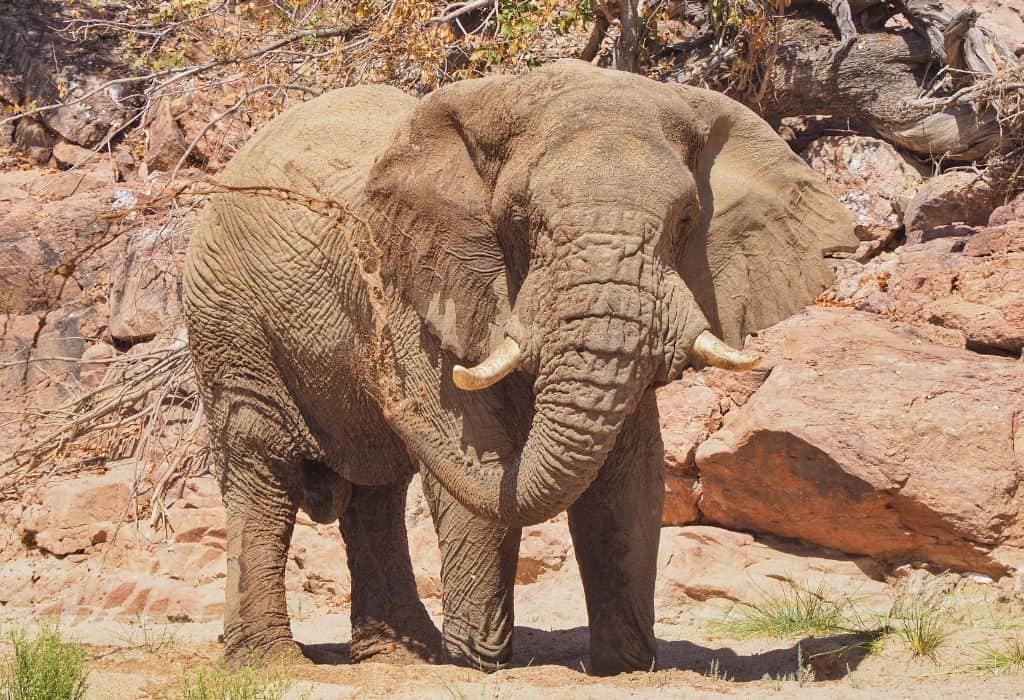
[{"x": 867, "y": 439}]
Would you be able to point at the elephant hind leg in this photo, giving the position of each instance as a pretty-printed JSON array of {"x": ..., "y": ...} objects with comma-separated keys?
[
  {"x": 260, "y": 520},
  {"x": 257, "y": 464},
  {"x": 389, "y": 622}
]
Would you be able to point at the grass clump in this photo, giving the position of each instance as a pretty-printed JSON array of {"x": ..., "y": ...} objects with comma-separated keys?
[
  {"x": 920, "y": 624},
  {"x": 792, "y": 611},
  {"x": 253, "y": 681},
  {"x": 43, "y": 666},
  {"x": 1008, "y": 658}
]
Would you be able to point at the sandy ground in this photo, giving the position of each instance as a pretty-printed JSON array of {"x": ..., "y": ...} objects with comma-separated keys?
[{"x": 137, "y": 659}]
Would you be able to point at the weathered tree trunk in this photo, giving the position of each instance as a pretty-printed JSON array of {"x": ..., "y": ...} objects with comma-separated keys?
[
  {"x": 925, "y": 87},
  {"x": 627, "y": 47},
  {"x": 875, "y": 78}
]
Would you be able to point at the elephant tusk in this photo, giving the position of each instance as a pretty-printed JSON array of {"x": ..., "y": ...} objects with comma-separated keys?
[
  {"x": 495, "y": 367},
  {"x": 712, "y": 351}
]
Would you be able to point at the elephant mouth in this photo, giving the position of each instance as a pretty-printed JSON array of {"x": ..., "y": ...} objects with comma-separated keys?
[{"x": 505, "y": 358}]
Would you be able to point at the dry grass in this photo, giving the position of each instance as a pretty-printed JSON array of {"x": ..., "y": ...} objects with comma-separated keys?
[
  {"x": 253, "y": 681},
  {"x": 1005, "y": 658}
]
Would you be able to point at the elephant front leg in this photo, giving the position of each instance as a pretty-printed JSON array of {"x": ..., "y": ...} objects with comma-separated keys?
[
  {"x": 478, "y": 571},
  {"x": 388, "y": 618},
  {"x": 615, "y": 528}
]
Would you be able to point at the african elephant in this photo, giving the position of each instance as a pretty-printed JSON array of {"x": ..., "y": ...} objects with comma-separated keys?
[{"x": 575, "y": 236}]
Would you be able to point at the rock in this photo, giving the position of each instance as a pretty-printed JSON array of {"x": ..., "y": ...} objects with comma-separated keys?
[
  {"x": 92, "y": 367},
  {"x": 69, "y": 155},
  {"x": 318, "y": 564},
  {"x": 77, "y": 513},
  {"x": 40, "y": 154},
  {"x": 689, "y": 411},
  {"x": 867, "y": 440},
  {"x": 9, "y": 92},
  {"x": 1011, "y": 212},
  {"x": 15, "y": 575},
  {"x": 962, "y": 290},
  {"x": 11, "y": 193},
  {"x": 166, "y": 143},
  {"x": 952, "y": 197},
  {"x": 947, "y": 231},
  {"x": 190, "y": 525},
  {"x": 1003, "y": 18},
  {"x": 870, "y": 178},
  {"x": 88, "y": 112},
  {"x": 145, "y": 287},
  {"x": 200, "y": 492},
  {"x": 544, "y": 547},
  {"x": 124, "y": 163},
  {"x": 700, "y": 563},
  {"x": 31, "y": 134}
]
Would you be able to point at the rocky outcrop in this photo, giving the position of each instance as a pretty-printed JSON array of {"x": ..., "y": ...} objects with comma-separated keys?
[
  {"x": 28, "y": 50},
  {"x": 952, "y": 197},
  {"x": 964, "y": 286},
  {"x": 868, "y": 439},
  {"x": 872, "y": 180}
]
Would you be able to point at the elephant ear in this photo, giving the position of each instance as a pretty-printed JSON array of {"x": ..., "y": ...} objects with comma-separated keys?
[
  {"x": 767, "y": 220},
  {"x": 436, "y": 235}
]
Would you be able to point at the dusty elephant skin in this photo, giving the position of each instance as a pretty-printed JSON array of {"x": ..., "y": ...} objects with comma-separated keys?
[{"x": 590, "y": 224}]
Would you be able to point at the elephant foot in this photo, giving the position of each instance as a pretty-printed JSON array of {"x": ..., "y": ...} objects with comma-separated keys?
[
  {"x": 284, "y": 651},
  {"x": 383, "y": 643},
  {"x": 483, "y": 655},
  {"x": 617, "y": 660}
]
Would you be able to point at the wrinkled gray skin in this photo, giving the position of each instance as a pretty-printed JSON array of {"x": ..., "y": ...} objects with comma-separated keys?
[{"x": 598, "y": 218}]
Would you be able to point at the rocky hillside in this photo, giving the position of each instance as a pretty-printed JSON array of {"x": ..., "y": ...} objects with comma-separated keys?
[{"x": 879, "y": 445}]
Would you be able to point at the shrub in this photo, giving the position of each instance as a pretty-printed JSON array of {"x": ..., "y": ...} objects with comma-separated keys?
[{"x": 43, "y": 667}]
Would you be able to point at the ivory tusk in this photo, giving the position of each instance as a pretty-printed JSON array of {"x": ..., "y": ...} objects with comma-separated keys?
[
  {"x": 712, "y": 351},
  {"x": 495, "y": 367}
]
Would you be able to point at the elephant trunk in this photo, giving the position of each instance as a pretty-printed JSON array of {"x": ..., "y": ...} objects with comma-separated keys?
[{"x": 591, "y": 370}]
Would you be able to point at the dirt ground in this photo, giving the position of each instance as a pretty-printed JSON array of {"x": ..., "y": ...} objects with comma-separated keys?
[{"x": 133, "y": 658}]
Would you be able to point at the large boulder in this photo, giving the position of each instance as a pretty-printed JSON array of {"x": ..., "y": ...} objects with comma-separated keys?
[
  {"x": 690, "y": 410},
  {"x": 706, "y": 564},
  {"x": 870, "y": 440}
]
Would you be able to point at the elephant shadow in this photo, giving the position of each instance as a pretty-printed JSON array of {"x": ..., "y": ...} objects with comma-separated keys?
[{"x": 830, "y": 658}]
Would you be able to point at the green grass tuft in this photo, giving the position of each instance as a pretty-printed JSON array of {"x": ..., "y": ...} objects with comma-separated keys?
[
  {"x": 43, "y": 667},
  {"x": 1007, "y": 658},
  {"x": 921, "y": 625},
  {"x": 251, "y": 682},
  {"x": 793, "y": 611}
]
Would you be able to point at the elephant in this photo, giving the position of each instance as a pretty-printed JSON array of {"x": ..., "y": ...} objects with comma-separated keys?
[{"x": 485, "y": 286}]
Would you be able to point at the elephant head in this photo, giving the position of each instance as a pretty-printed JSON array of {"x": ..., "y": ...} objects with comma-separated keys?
[{"x": 592, "y": 229}]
